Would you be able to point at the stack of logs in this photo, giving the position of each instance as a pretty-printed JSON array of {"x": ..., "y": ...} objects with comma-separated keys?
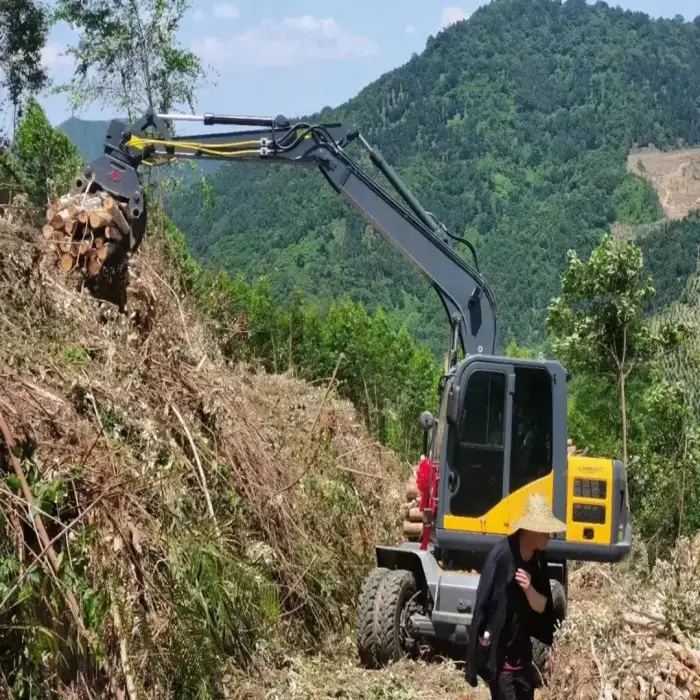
[
  {"x": 413, "y": 518},
  {"x": 88, "y": 230}
]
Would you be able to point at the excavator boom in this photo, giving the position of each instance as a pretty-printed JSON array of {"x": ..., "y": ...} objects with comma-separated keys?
[{"x": 400, "y": 218}]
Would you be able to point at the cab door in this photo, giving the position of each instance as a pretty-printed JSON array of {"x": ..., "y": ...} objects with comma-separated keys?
[{"x": 478, "y": 454}]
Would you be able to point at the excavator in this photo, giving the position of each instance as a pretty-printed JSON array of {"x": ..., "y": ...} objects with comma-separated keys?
[{"x": 499, "y": 432}]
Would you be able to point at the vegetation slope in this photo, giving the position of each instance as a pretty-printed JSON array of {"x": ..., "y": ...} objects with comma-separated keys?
[{"x": 203, "y": 511}]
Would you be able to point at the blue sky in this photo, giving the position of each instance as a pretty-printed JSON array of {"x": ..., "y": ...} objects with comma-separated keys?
[{"x": 275, "y": 57}]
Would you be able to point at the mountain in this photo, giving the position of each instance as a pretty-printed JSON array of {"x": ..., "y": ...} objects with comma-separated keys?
[
  {"x": 87, "y": 135},
  {"x": 514, "y": 127}
]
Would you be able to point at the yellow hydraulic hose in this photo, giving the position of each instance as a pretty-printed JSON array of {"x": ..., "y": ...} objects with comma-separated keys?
[{"x": 140, "y": 143}]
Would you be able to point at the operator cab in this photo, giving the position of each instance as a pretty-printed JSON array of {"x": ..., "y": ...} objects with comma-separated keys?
[{"x": 506, "y": 435}]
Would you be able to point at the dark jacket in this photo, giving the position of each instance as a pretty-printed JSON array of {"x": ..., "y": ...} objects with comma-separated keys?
[{"x": 490, "y": 609}]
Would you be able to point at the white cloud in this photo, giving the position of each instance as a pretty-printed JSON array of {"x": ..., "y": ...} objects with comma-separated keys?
[
  {"x": 198, "y": 15},
  {"x": 226, "y": 11},
  {"x": 410, "y": 29},
  {"x": 53, "y": 58},
  {"x": 271, "y": 44},
  {"x": 450, "y": 15}
]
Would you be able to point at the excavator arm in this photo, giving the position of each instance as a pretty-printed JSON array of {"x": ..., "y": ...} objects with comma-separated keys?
[{"x": 400, "y": 218}]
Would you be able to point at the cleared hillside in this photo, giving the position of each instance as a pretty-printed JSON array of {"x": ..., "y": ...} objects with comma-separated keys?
[
  {"x": 214, "y": 522},
  {"x": 675, "y": 176}
]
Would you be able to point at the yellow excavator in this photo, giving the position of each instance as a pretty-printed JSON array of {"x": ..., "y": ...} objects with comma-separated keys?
[{"x": 499, "y": 432}]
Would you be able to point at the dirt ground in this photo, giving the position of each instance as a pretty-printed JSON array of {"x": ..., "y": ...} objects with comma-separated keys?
[{"x": 675, "y": 175}]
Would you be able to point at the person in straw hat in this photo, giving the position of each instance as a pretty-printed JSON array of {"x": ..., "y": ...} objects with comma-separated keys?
[{"x": 513, "y": 604}]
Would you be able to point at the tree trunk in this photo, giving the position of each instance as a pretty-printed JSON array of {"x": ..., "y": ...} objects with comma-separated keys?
[{"x": 623, "y": 398}]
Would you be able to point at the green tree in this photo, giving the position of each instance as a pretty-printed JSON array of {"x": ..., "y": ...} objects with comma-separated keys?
[
  {"x": 48, "y": 160},
  {"x": 24, "y": 26},
  {"x": 598, "y": 323},
  {"x": 128, "y": 56}
]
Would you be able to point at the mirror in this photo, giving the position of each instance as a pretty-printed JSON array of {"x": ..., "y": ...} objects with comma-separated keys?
[
  {"x": 453, "y": 405},
  {"x": 426, "y": 420}
]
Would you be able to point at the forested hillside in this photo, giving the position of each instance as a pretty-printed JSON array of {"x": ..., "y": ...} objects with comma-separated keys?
[
  {"x": 87, "y": 135},
  {"x": 512, "y": 127}
]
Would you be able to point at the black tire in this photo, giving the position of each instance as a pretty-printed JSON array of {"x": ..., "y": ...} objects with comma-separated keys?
[
  {"x": 540, "y": 651},
  {"x": 395, "y": 591},
  {"x": 366, "y": 612}
]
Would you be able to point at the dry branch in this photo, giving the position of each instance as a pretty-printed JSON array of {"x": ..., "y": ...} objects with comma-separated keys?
[{"x": 202, "y": 476}]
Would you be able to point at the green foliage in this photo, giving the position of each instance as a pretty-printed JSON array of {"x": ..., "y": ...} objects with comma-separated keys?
[
  {"x": 671, "y": 252},
  {"x": 513, "y": 127},
  {"x": 24, "y": 26},
  {"x": 515, "y": 350},
  {"x": 621, "y": 402},
  {"x": 47, "y": 159},
  {"x": 683, "y": 364},
  {"x": 127, "y": 55},
  {"x": 222, "y": 607},
  {"x": 598, "y": 323},
  {"x": 636, "y": 202}
]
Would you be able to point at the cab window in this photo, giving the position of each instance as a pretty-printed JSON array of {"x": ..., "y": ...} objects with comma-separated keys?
[{"x": 478, "y": 445}]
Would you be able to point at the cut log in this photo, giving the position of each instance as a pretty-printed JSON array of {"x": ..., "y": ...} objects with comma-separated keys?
[
  {"x": 113, "y": 208},
  {"x": 113, "y": 233},
  {"x": 415, "y": 515},
  {"x": 94, "y": 266},
  {"x": 106, "y": 251},
  {"x": 48, "y": 232},
  {"x": 99, "y": 218},
  {"x": 59, "y": 220},
  {"x": 67, "y": 262},
  {"x": 62, "y": 202},
  {"x": 412, "y": 529},
  {"x": 83, "y": 217}
]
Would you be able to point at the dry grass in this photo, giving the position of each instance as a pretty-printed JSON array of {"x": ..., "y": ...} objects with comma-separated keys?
[
  {"x": 337, "y": 675},
  {"x": 623, "y": 637}
]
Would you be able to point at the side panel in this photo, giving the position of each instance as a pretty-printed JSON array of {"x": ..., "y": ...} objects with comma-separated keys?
[
  {"x": 499, "y": 519},
  {"x": 597, "y": 515},
  {"x": 560, "y": 463},
  {"x": 590, "y": 512}
]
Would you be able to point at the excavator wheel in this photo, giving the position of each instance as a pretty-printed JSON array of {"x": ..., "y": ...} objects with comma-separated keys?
[
  {"x": 365, "y": 636},
  {"x": 396, "y": 592},
  {"x": 540, "y": 651}
]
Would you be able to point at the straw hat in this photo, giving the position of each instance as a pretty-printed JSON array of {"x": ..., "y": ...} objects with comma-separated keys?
[{"x": 539, "y": 517}]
